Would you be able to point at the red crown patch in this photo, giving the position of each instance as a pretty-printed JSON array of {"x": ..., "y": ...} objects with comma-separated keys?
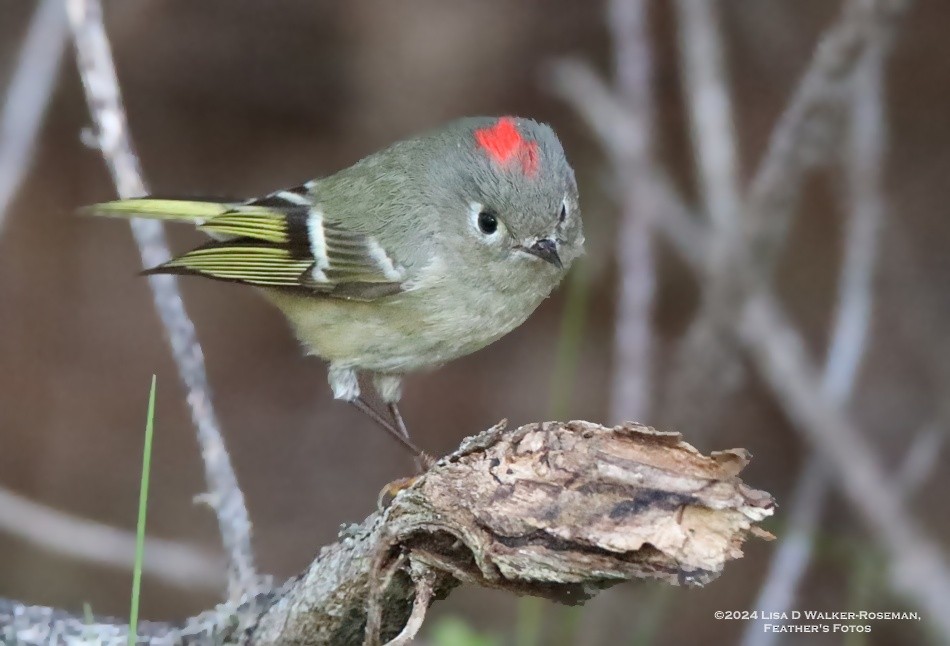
[{"x": 504, "y": 144}]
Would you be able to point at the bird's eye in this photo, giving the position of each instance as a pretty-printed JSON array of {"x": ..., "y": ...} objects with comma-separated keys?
[
  {"x": 487, "y": 222},
  {"x": 563, "y": 214}
]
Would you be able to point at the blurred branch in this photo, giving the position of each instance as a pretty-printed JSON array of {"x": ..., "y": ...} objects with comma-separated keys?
[
  {"x": 777, "y": 349},
  {"x": 710, "y": 112},
  {"x": 94, "y": 58},
  {"x": 918, "y": 567},
  {"x": 864, "y": 169},
  {"x": 578, "y": 85},
  {"x": 920, "y": 461},
  {"x": 28, "y": 96},
  {"x": 801, "y": 136},
  {"x": 792, "y": 556},
  {"x": 558, "y": 510},
  {"x": 633, "y": 320},
  {"x": 82, "y": 539},
  {"x": 704, "y": 366}
]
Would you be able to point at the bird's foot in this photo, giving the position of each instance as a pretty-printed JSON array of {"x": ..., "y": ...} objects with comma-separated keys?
[
  {"x": 388, "y": 493},
  {"x": 424, "y": 462}
]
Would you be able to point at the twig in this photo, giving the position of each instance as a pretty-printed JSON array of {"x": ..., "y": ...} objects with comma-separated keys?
[
  {"x": 383, "y": 575},
  {"x": 866, "y": 139},
  {"x": 172, "y": 562},
  {"x": 97, "y": 71},
  {"x": 424, "y": 593},
  {"x": 28, "y": 97},
  {"x": 558, "y": 510},
  {"x": 632, "y": 365},
  {"x": 791, "y": 557}
]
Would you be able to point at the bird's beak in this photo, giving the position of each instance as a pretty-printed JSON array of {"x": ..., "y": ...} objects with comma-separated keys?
[{"x": 545, "y": 249}]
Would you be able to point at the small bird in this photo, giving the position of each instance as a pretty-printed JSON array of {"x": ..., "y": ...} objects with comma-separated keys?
[{"x": 421, "y": 253}]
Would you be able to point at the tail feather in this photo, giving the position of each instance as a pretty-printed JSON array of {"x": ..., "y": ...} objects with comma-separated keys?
[
  {"x": 281, "y": 240},
  {"x": 220, "y": 219},
  {"x": 195, "y": 211}
]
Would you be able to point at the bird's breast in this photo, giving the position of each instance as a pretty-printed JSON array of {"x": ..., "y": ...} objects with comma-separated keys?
[{"x": 441, "y": 316}]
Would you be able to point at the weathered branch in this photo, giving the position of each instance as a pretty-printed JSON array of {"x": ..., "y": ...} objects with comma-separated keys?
[
  {"x": 559, "y": 510},
  {"x": 94, "y": 58}
]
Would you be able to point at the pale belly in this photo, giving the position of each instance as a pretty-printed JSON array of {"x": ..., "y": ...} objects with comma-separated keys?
[{"x": 406, "y": 332}]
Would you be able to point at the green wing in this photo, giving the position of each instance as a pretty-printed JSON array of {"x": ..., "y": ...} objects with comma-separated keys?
[{"x": 282, "y": 240}]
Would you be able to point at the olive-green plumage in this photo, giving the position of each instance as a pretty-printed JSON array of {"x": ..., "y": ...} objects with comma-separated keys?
[{"x": 418, "y": 254}]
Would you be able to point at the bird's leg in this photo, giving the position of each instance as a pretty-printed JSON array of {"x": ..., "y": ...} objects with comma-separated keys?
[
  {"x": 346, "y": 386},
  {"x": 389, "y": 387},
  {"x": 397, "y": 418},
  {"x": 423, "y": 460},
  {"x": 399, "y": 435}
]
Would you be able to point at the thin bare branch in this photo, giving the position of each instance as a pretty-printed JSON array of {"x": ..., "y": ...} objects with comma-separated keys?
[
  {"x": 779, "y": 352},
  {"x": 94, "y": 58},
  {"x": 578, "y": 85},
  {"x": 799, "y": 141},
  {"x": 864, "y": 164},
  {"x": 711, "y": 114},
  {"x": 867, "y": 143},
  {"x": 802, "y": 135},
  {"x": 383, "y": 578},
  {"x": 557, "y": 510},
  {"x": 705, "y": 367},
  {"x": 171, "y": 562},
  {"x": 921, "y": 459},
  {"x": 28, "y": 96},
  {"x": 633, "y": 321},
  {"x": 918, "y": 568},
  {"x": 791, "y": 557}
]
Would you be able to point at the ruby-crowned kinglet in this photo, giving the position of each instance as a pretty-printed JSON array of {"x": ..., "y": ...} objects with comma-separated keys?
[{"x": 413, "y": 256}]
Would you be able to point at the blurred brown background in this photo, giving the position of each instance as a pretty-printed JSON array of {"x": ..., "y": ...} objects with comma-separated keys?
[{"x": 241, "y": 98}]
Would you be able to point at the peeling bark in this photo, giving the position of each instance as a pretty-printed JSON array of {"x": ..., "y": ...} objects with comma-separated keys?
[{"x": 557, "y": 510}]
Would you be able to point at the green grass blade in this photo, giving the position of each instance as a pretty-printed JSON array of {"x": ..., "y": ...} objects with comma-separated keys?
[
  {"x": 140, "y": 525},
  {"x": 570, "y": 340}
]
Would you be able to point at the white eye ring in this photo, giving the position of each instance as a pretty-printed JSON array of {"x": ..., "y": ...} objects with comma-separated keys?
[
  {"x": 565, "y": 212},
  {"x": 476, "y": 211}
]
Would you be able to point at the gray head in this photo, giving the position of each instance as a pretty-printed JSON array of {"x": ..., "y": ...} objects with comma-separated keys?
[{"x": 507, "y": 197}]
